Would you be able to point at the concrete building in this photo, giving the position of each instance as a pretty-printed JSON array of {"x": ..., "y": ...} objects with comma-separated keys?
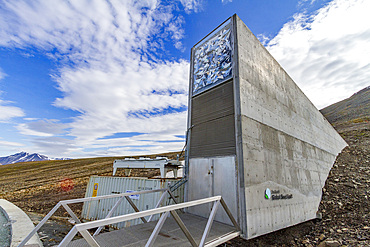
[{"x": 254, "y": 137}]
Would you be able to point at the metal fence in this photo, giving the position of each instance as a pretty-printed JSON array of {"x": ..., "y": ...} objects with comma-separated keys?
[
  {"x": 83, "y": 228},
  {"x": 119, "y": 199}
]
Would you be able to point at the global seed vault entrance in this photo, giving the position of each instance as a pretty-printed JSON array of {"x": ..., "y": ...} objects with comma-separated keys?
[
  {"x": 254, "y": 137},
  {"x": 258, "y": 155}
]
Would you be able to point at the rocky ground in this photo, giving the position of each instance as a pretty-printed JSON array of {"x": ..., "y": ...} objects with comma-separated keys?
[{"x": 345, "y": 204}]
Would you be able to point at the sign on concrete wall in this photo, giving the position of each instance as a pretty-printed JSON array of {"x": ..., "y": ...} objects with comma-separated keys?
[{"x": 213, "y": 59}]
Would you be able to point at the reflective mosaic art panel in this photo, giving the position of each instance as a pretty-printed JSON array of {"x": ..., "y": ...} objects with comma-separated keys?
[{"x": 212, "y": 60}]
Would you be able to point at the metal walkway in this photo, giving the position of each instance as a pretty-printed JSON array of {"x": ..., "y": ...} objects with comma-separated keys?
[
  {"x": 170, "y": 235},
  {"x": 174, "y": 228}
]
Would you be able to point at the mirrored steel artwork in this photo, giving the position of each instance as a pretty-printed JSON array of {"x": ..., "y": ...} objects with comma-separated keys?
[{"x": 212, "y": 60}]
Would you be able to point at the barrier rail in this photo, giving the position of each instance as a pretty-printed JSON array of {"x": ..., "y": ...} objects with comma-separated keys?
[
  {"x": 120, "y": 197},
  {"x": 83, "y": 228}
]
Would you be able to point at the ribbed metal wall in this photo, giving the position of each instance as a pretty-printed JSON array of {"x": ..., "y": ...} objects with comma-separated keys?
[
  {"x": 212, "y": 117},
  {"x": 116, "y": 185}
]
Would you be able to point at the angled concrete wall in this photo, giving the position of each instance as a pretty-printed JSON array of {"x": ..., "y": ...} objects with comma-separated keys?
[
  {"x": 255, "y": 138},
  {"x": 288, "y": 147}
]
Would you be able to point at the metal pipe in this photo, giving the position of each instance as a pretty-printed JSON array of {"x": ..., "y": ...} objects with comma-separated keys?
[
  {"x": 158, "y": 204},
  {"x": 209, "y": 223},
  {"x": 183, "y": 228},
  {"x": 135, "y": 208},
  {"x": 228, "y": 212},
  {"x": 109, "y": 215},
  {"x": 68, "y": 238},
  {"x": 89, "y": 239},
  {"x": 69, "y": 210},
  {"x": 117, "y": 219},
  {"x": 39, "y": 225},
  {"x": 156, "y": 230},
  {"x": 109, "y": 196},
  {"x": 88, "y": 199}
]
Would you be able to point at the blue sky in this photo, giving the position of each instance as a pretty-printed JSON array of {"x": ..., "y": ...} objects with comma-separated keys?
[{"x": 110, "y": 78}]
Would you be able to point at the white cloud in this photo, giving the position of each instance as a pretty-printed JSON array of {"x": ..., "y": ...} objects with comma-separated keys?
[
  {"x": 303, "y": 2},
  {"x": 8, "y": 112},
  {"x": 9, "y": 147},
  {"x": 10, "y": 144},
  {"x": 25, "y": 130},
  {"x": 56, "y": 147},
  {"x": 192, "y": 5},
  {"x": 2, "y": 74},
  {"x": 327, "y": 53},
  {"x": 47, "y": 127},
  {"x": 263, "y": 39},
  {"x": 110, "y": 68}
]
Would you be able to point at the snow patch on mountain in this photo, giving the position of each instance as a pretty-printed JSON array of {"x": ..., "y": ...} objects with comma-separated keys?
[{"x": 25, "y": 157}]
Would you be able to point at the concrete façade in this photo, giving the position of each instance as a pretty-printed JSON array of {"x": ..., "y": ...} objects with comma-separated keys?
[{"x": 254, "y": 137}]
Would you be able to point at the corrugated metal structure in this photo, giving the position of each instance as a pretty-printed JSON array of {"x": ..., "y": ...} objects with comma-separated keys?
[
  {"x": 100, "y": 185},
  {"x": 213, "y": 118},
  {"x": 255, "y": 138}
]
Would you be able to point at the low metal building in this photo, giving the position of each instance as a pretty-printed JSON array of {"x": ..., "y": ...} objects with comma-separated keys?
[{"x": 102, "y": 185}]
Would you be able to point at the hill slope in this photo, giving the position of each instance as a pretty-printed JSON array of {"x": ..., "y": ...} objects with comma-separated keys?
[
  {"x": 356, "y": 109},
  {"x": 36, "y": 186}
]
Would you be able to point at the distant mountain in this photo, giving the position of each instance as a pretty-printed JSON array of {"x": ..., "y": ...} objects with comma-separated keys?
[
  {"x": 22, "y": 157},
  {"x": 25, "y": 157},
  {"x": 355, "y": 108}
]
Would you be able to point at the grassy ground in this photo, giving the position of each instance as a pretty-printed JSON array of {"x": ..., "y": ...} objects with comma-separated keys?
[{"x": 38, "y": 186}]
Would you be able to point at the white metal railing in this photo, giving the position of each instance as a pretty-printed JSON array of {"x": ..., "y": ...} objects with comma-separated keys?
[
  {"x": 120, "y": 198},
  {"x": 83, "y": 228}
]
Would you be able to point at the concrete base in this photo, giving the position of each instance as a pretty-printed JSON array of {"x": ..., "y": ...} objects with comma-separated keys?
[{"x": 21, "y": 225}]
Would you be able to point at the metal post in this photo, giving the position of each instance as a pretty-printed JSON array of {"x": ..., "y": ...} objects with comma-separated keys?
[
  {"x": 158, "y": 204},
  {"x": 39, "y": 225},
  {"x": 156, "y": 230},
  {"x": 109, "y": 215},
  {"x": 209, "y": 223},
  {"x": 183, "y": 228},
  {"x": 172, "y": 196},
  {"x": 68, "y": 238},
  {"x": 228, "y": 212},
  {"x": 89, "y": 239},
  {"x": 69, "y": 210},
  {"x": 135, "y": 208}
]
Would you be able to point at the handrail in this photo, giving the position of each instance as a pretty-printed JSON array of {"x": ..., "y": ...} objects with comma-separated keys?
[
  {"x": 84, "y": 227},
  {"x": 65, "y": 203}
]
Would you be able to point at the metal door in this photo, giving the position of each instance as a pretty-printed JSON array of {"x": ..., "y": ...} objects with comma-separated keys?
[{"x": 211, "y": 177}]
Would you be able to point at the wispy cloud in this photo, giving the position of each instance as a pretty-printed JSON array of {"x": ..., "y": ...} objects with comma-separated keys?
[
  {"x": 42, "y": 128},
  {"x": 8, "y": 112},
  {"x": 263, "y": 39},
  {"x": 192, "y": 5},
  {"x": 10, "y": 147},
  {"x": 2, "y": 74},
  {"x": 10, "y": 144},
  {"x": 303, "y": 2},
  {"x": 57, "y": 147},
  {"x": 226, "y": 1},
  {"x": 110, "y": 65},
  {"x": 327, "y": 53}
]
